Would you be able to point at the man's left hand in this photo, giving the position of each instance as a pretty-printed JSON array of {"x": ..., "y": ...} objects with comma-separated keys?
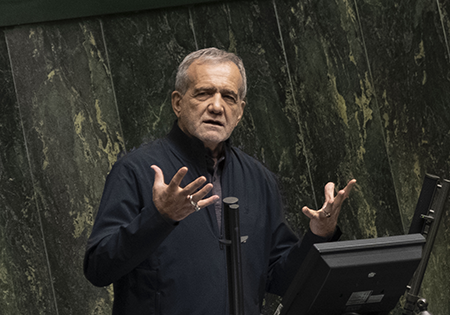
[{"x": 323, "y": 222}]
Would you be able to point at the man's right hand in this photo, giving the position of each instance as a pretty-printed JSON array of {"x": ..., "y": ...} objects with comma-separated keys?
[{"x": 172, "y": 201}]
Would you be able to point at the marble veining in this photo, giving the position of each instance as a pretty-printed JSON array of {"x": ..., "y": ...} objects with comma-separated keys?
[{"x": 337, "y": 89}]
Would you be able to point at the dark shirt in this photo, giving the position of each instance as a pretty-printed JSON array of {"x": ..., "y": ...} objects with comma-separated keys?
[{"x": 215, "y": 175}]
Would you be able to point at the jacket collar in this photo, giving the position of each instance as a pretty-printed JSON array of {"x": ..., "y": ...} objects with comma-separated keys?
[{"x": 192, "y": 148}]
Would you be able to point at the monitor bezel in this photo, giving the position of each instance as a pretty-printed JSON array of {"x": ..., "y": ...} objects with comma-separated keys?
[{"x": 394, "y": 254}]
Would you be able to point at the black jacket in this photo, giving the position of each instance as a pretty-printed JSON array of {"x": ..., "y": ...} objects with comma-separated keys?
[{"x": 162, "y": 268}]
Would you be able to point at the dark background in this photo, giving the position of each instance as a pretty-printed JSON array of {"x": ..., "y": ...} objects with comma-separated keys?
[{"x": 338, "y": 89}]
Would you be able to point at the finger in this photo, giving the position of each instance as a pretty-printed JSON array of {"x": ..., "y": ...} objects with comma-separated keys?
[
  {"x": 349, "y": 187},
  {"x": 193, "y": 186},
  {"x": 199, "y": 195},
  {"x": 329, "y": 192},
  {"x": 178, "y": 177},
  {"x": 344, "y": 193},
  {"x": 208, "y": 201},
  {"x": 339, "y": 199}
]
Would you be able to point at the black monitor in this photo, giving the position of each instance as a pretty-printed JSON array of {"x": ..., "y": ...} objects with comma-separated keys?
[
  {"x": 364, "y": 277},
  {"x": 426, "y": 198}
]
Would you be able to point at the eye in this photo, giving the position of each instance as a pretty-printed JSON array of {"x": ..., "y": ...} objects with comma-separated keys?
[
  {"x": 230, "y": 97},
  {"x": 202, "y": 95}
]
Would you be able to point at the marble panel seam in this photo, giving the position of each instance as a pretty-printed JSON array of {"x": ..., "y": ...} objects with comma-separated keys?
[
  {"x": 116, "y": 105},
  {"x": 377, "y": 107},
  {"x": 35, "y": 195},
  {"x": 296, "y": 105},
  {"x": 441, "y": 18},
  {"x": 191, "y": 24}
]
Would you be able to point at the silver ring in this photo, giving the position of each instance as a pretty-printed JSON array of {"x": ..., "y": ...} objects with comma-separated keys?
[
  {"x": 327, "y": 214},
  {"x": 196, "y": 207}
]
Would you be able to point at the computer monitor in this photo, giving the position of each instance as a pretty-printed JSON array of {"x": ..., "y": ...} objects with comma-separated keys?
[
  {"x": 364, "y": 277},
  {"x": 426, "y": 198}
]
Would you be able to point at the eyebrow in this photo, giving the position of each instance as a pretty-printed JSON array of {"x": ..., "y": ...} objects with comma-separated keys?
[
  {"x": 213, "y": 89},
  {"x": 233, "y": 93}
]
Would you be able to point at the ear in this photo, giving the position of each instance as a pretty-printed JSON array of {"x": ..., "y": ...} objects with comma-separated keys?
[
  {"x": 176, "y": 103},
  {"x": 242, "y": 105}
]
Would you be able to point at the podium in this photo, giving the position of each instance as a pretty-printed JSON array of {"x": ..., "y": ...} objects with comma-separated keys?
[{"x": 368, "y": 277}]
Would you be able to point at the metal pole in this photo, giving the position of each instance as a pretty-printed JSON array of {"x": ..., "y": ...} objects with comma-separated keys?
[
  {"x": 233, "y": 250},
  {"x": 430, "y": 228}
]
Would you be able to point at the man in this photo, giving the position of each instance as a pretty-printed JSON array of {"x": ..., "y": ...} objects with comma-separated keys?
[{"x": 158, "y": 243}]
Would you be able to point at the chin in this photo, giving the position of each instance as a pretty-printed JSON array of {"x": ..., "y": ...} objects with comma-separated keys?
[{"x": 212, "y": 139}]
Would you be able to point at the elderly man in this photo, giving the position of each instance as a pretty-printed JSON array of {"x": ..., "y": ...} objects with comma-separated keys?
[{"x": 156, "y": 235}]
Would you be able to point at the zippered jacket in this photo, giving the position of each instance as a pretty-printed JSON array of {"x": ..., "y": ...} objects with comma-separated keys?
[{"x": 161, "y": 267}]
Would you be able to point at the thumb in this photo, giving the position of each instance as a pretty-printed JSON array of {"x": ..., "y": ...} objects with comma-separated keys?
[
  {"x": 308, "y": 212},
  {"x": 159, "y": 176}
]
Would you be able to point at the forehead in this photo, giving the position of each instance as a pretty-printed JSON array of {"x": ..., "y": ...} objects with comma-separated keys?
[{"x": 214, "y": 74}]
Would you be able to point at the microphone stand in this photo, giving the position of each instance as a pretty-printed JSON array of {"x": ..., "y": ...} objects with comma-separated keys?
[
  {"x": 232, "y": 240},
  {"x": 429, "y": 231}
]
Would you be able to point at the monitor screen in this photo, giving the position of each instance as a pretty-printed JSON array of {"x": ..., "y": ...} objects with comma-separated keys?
[{"x": 364, "y": 277}]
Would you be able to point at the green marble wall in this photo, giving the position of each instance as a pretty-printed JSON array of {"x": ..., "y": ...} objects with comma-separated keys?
[{"x": 337, "y": 89}]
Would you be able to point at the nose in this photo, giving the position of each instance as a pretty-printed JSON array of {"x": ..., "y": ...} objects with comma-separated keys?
[{"x": 216, "y": 105}]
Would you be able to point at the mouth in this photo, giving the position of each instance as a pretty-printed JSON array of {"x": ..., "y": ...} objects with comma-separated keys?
[{"x": 214, "y": 122}]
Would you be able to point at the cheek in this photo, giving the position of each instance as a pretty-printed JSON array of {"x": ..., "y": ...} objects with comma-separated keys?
[
  {"x": 237, "y": 114},
  {"x": 187, "y": 114},
  {"x": 191, "y": 119}
]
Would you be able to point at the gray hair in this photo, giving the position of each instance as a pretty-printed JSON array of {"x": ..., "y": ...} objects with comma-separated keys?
[{"x": 209, "y": 55}]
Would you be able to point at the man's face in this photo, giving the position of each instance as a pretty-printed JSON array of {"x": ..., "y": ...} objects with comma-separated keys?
[{"x": 211, "y": 107}]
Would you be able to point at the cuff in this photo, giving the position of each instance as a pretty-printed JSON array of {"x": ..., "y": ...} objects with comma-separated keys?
[{"x": 334, "y": 237}]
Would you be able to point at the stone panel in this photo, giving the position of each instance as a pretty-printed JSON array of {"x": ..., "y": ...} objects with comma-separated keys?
[
  {"x": 73, "y": 135},
  {"x": 337, "y": 109},
  {"x": 410, "y": 61},
  {"x": 144, "y": 51},
  {"x": 327, "y": 100},
  {"x": 268, "y": 131},
  {"x": 25, "y": 280}
]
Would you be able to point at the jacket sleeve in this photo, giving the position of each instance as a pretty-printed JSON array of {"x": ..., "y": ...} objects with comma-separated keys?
[
  {"x": 287, "y": 250},
  {"x": 128, "y": 227},
  {"x": 284, "y": 264}
]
